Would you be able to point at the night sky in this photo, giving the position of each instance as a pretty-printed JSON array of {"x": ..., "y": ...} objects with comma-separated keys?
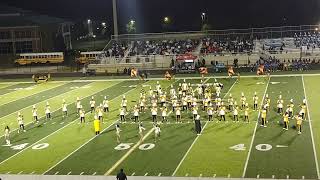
[{"x": 185, "y": 14}]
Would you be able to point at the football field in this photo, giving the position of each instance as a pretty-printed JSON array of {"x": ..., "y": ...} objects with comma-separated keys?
[{"x": 64, "y": 146}]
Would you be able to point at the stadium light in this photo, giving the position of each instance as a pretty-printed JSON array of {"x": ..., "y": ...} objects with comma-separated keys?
[
  {"x": 166, "y": 19},
  {"x": 203, "y": 16}
]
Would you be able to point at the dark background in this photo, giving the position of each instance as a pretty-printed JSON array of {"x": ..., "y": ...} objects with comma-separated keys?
[{"x": 185, "y": 14}]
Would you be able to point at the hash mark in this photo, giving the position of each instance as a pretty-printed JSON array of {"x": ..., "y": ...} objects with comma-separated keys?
[
  {"x": 81, "y": 173},
  {"x": 20, "y": 172},
  {"x": 94, "y": 173},
  {"x": 69, "y": 173},
  {"x": 56, "y": 173},
  {"x": 146, "y": 174}
]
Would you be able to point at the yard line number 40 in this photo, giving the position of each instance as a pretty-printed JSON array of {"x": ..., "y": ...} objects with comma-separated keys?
[{"x": 259, "y": 147}]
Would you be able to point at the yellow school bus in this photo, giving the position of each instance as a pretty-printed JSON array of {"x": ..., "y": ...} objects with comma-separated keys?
[
  {"x": 86, "y": 57},
  {"x": 34, "y": 58}
]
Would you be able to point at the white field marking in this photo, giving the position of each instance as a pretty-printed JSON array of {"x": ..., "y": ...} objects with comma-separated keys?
[
  {"x": 146, "y": 174},
  {"x": 258, "y": 176},
  {"x": 94, "y": 173},
  {"x": 254, "y": 132},
  {"x": 8, "y": 172},
  {"x": 128, "y": 153},
  {"x": 159, "y": 174},
  {"x": 62, "y": 122},
  {"x": 32, "y": 94},
  {"x": 133, "y": 174},
  {"x": 53, "y": 122},
  {"x": 281, "y": 146},
  {"x": 37, "y": 142},
  {"x": 133, "y": 148},
  {"x": 20, "y": 172},
  {"x": 311, "y": 131},
  {"x": 39, "y": 103},
  {"x": 81, "y": 173},
  {"x": 69, "y": 173},
  {"x": 89, "y": 139},
  {"x": 195, "y": 140},
  {"x": 14, "y": 90},
  {"x": 32, "y": 172},
  {"x": 56, "y": 173},
  {"x": 177, "y": 78}
]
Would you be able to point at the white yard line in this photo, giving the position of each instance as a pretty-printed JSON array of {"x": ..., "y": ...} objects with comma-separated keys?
[
  {"x": 195, "y": 140},
  {"x": 5, "y": 94},
  {"x": 311, "y": 130},
  {"x": 89, "y": 139},
  {"x": 177, "y": 78},
  {"x": 254, "y": 132},
  {"x": 31, "y": 94},
  {"x": 36, "y": 143},
  {"x": 54, "y": 110},
  {"x": 128, "y": 153}
]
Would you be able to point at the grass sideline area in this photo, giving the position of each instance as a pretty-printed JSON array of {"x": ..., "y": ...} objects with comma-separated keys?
[{"x": 226, "y": 149}]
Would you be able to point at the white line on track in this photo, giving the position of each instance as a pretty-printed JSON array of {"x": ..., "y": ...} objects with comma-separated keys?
[
  {"x": 254, "y": 132},
  {"x": 311, "y": 130},
  {"x": 89, "y": 139},
  {"x": 195, "y": 140}
]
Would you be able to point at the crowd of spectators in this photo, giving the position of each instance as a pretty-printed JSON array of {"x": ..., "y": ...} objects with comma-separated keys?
[
  {"x": 210, "y": 45},
  {"x": 311, "y": 40},
  {"x": 272, "y": 64},
  {"x": 164, "y": 47},
  {"x": 117, "y": 50}
]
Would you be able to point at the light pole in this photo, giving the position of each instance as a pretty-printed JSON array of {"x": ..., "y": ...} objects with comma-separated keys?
[{"x": 115, "y": 19}]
